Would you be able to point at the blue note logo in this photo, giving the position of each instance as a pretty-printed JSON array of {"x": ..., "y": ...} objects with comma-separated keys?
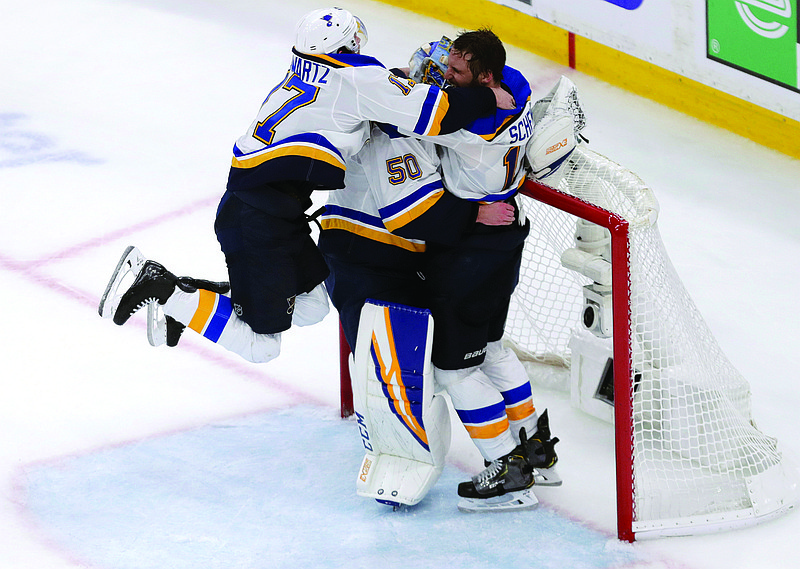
[
  {"x": 627, "y": 4},
  {"x": 20, "y": 146}
]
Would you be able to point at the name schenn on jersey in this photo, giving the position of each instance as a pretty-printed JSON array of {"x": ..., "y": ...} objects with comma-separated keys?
[{"x": 522, "y": 129}]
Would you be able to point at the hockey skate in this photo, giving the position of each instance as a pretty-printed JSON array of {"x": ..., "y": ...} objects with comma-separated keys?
[
  {"x": 542, "y": 454},
  {"x": 152, "y": 285},
  {"x": 506, "y": 484},
  {"x": 162, "y": 329},
  {"x": 128, "y": 268}
]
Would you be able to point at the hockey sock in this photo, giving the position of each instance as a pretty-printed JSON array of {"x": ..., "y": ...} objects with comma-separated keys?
[
  {"x": 481, "y": 409},
  {"x": 210, "y": 314},
  {"x": 507, "y": 374},
  {"x": 520, "y": 410}
]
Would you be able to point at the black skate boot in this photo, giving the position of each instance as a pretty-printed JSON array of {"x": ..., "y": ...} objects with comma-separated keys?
[
  {"x": 506, "y": 474},
  {"x": 128, "y": 268},
  {"x": 174, "y": 331},
  {"x": 504, "y": 484},
  {"x": 542, "y": 453},
  {"x": 154, "y": 283}
]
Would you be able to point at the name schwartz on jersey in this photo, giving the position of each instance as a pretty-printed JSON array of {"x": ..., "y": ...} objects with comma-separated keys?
[{"x": 310, "y": 71}]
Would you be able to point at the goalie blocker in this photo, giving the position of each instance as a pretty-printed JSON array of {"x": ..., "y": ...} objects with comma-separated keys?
[{"x": 404, "y": 427}]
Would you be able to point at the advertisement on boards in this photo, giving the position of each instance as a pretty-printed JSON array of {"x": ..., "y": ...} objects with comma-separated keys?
[
  {"x": 759, "y": 37},
  {"x": 627, "y": 4},
  {"x": 621, "y": 24},
  {"x": 525, "y": 5},
  {"x": 749, "y": 49}
]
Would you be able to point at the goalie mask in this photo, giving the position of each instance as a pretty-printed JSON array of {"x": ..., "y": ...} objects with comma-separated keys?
[
  {"x": 429, "y": 63},
  {"x": 329, "y": 30}
]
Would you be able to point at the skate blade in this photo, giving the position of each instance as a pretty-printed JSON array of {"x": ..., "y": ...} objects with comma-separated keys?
[
  {"x": 156, "y": 325},
  {"x": 547, "y": 477},
  {"x": 129, "y": 266},
  {"x": 520, "y": 500}
]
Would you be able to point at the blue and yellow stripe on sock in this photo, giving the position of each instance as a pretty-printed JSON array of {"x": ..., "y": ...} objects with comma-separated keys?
[
  {"x": 486, "y": 422},
  {"x": 519, "y": 402},
  {"x": 212, "y": 315}
]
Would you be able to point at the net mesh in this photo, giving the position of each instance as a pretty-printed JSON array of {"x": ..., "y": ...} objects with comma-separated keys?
[{"x": 696, "y": 448}]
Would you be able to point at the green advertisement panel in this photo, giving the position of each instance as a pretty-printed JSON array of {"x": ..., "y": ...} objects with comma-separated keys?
[{"x": 756, "y": 36}]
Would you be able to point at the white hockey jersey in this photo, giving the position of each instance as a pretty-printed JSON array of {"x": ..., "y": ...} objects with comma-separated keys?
[
  {"x": 389, "y": 181},
  {"x": 486, "y": 160},
  {"x": 316, "y": 118},
  {"x": 394, "y": 181},
  {"x": 395, "y": 196}
]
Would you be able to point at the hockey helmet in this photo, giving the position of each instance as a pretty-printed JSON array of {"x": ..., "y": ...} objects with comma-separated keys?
[{"x": 329, "y": 29}]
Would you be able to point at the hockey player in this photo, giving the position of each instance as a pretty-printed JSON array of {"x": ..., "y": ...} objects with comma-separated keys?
[
  {"x": 374, "y": 233},
  {"x": 470, "y": 285},
  {"x": 373, "y": 239},
  {"x": 310, "y": 124}
]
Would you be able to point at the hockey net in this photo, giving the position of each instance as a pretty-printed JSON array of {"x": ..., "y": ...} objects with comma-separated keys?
[{"x": 600, "y": 307}]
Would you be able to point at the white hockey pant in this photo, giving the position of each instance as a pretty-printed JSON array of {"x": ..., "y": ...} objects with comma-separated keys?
[{"x": 210, "y": 315}]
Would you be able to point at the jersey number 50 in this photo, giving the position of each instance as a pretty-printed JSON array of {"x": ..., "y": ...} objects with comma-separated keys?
[{"x": 401, "y": 167}]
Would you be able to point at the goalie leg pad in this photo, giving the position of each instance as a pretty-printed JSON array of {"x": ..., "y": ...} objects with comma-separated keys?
[{"x": 404, "y": 427}]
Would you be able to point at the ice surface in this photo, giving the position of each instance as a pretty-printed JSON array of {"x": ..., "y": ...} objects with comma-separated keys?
[{"x": 116, "y": 125}]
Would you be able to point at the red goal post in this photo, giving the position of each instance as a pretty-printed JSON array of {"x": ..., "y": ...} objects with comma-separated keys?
[{"x": 623, "y": 371}]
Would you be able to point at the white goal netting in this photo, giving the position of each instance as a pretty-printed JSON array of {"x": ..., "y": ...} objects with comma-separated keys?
[{"x": 699, "y": 462}]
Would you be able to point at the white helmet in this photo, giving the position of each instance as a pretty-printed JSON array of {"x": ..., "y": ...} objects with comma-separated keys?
[{"x": 327, "y": 30}]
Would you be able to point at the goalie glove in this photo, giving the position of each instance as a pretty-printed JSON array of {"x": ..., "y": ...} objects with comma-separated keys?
[
  {"x": 429, "y": 63},
  {"x": 558, "y": 120}
]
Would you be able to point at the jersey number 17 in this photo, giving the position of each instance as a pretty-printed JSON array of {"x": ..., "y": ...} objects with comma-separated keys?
[{"x": 305, "y": 94}]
